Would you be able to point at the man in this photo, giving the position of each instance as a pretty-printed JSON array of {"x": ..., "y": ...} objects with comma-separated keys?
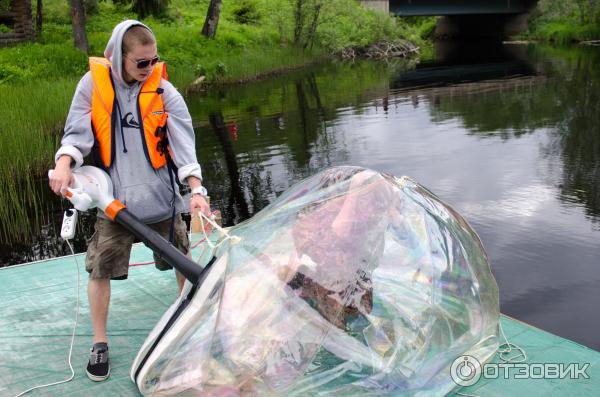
[{"x": 124, "y": 111}]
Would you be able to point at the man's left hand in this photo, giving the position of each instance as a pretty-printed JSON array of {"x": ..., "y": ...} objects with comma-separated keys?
[{"x": 199, "y": 203}]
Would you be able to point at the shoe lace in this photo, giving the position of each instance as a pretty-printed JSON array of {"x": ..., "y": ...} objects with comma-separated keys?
[{"x": 98, "y": 356}]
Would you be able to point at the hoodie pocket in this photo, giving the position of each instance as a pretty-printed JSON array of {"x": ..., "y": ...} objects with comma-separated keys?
[{"x": 150, "y": 202}]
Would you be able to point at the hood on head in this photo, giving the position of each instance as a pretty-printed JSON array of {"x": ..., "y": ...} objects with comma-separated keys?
[{"x": 114, "y": 49}]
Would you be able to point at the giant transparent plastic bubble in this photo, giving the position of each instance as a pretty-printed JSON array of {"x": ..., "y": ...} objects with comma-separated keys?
[{"x": 351, "y": 283}]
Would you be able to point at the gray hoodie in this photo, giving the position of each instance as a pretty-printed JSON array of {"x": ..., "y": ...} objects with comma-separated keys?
[{"x": 146, "y": 192}]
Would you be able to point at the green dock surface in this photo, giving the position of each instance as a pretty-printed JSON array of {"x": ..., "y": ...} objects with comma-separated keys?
[{"x": 38, "y": 310}]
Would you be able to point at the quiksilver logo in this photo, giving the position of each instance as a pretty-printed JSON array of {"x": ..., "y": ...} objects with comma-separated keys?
[
  {"x": 157, "y": 112},
  {"x": 129, "y": 121}
]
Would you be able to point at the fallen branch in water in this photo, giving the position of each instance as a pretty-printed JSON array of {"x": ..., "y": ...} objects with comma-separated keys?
[
  {"x": 591, "y": 42},
  {"x": 382, "y": 50}
]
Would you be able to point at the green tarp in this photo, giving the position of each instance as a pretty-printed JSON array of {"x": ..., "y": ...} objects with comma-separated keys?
[{"x": 38, "y": 310}]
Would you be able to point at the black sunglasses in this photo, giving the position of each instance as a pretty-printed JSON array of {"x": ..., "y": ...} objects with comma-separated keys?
[{"x": 144, "y": 63}]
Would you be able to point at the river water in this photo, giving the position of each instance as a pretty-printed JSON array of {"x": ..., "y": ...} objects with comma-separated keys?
[{"x": 508, "y": 135}]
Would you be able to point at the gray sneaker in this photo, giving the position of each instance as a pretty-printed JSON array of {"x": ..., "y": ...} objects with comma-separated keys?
[{"x": 98, "y": 368}]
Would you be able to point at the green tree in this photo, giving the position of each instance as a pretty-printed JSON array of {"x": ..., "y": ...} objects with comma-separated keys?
[
  {"x": 306, "y": 21},
  {"x": 582, "y": 11}
]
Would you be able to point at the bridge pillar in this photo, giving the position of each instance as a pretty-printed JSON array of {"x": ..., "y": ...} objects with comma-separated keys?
[{"x": 382, "y": 5}]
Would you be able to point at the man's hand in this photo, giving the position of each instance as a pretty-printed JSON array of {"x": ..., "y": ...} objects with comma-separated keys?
[
  {"x": 198, "y": 203},
  {"x": 62, "y": 177}
]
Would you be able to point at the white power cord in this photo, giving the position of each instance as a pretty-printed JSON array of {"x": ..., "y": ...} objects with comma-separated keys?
[{"x": 70, "y": 378}]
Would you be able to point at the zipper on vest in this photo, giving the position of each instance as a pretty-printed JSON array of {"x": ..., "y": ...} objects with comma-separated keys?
[
  {"x": 158, "y": 91},
  {"x": 113, "y": 117},
  {"x": 141, "y": 123}
]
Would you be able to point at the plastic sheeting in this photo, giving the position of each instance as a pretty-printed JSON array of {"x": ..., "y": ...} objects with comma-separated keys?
[{"x": 350, "y": 283}]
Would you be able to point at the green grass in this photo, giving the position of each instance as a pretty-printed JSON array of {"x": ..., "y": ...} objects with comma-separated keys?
[{"x": 31, "y": 124}]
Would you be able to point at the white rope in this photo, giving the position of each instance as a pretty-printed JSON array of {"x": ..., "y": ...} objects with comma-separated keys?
[
  {"x": 202, "y": 248},
  {"x": 508, "y": 348},
  {"x": 234, "y": 239},
  {"x": 201, "y": 215},
  {"x": 502, "y": 352},
  {"x": 70, "y": 378}
]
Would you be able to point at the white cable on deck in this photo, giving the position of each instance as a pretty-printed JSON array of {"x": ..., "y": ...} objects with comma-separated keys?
[{"x": 70, "y": 378}]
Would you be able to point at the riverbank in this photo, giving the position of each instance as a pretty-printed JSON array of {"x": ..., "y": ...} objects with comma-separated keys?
[
  {"x": 254, "y": 39},
  {"x": 562, "y": 32}
]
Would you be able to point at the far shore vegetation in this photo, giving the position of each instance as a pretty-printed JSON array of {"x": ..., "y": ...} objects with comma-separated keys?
[
  {"x": 565, "y": 22},
  {"x": 253, "y": 38}
]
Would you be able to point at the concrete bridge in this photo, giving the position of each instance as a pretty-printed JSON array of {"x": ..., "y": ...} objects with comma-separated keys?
[{"x": 464, "y": 18}]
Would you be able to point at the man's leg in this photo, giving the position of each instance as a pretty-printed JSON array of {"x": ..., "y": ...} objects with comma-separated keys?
[
  {"x": 180, "y": 280},
  {"x": 178, "y": 276},
  {"x": 107, "y": 258},
  {"x": 99, "y": 299},
  {"x": 98, "y": 367},
  {"x": 180, "y": 241}
]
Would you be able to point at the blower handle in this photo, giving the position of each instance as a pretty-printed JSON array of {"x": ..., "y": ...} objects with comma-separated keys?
[
  {"x": 157, "y": 243},
  {"x": 80, "y": 200}
]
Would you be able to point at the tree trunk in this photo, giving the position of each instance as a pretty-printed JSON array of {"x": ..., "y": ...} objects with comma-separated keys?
[
  {"x": 298, "y": 21},
  {"x": 212, "y": 19},
  {"x": 38, "y": 18},
  {"x": 78, "y": 21},
  {"x": 310, "y": 37}
]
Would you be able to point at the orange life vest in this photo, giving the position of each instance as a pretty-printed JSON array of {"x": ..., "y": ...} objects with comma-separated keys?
[{"x": 151, "y": 113}]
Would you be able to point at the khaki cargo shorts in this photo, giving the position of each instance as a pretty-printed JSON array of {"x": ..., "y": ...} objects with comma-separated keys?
[{"x": 110, "y": 246}]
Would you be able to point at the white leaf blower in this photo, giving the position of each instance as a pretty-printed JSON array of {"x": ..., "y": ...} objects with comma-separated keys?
[{"x": 92, "y": 188}]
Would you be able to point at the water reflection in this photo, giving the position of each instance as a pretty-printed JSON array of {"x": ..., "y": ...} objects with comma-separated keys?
[
  {"x": 578, "y": 133},
  {"x": 237, "y": 207},
  {"x": 511, "y": 140}
]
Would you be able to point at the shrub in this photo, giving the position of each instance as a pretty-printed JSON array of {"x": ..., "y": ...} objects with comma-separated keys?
[
  {"x": 9, "y": 72},
  {"x": 144, "y": 8},
  {"x": 91, "y": 7},
  {"x": 246, "y": 12}
]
